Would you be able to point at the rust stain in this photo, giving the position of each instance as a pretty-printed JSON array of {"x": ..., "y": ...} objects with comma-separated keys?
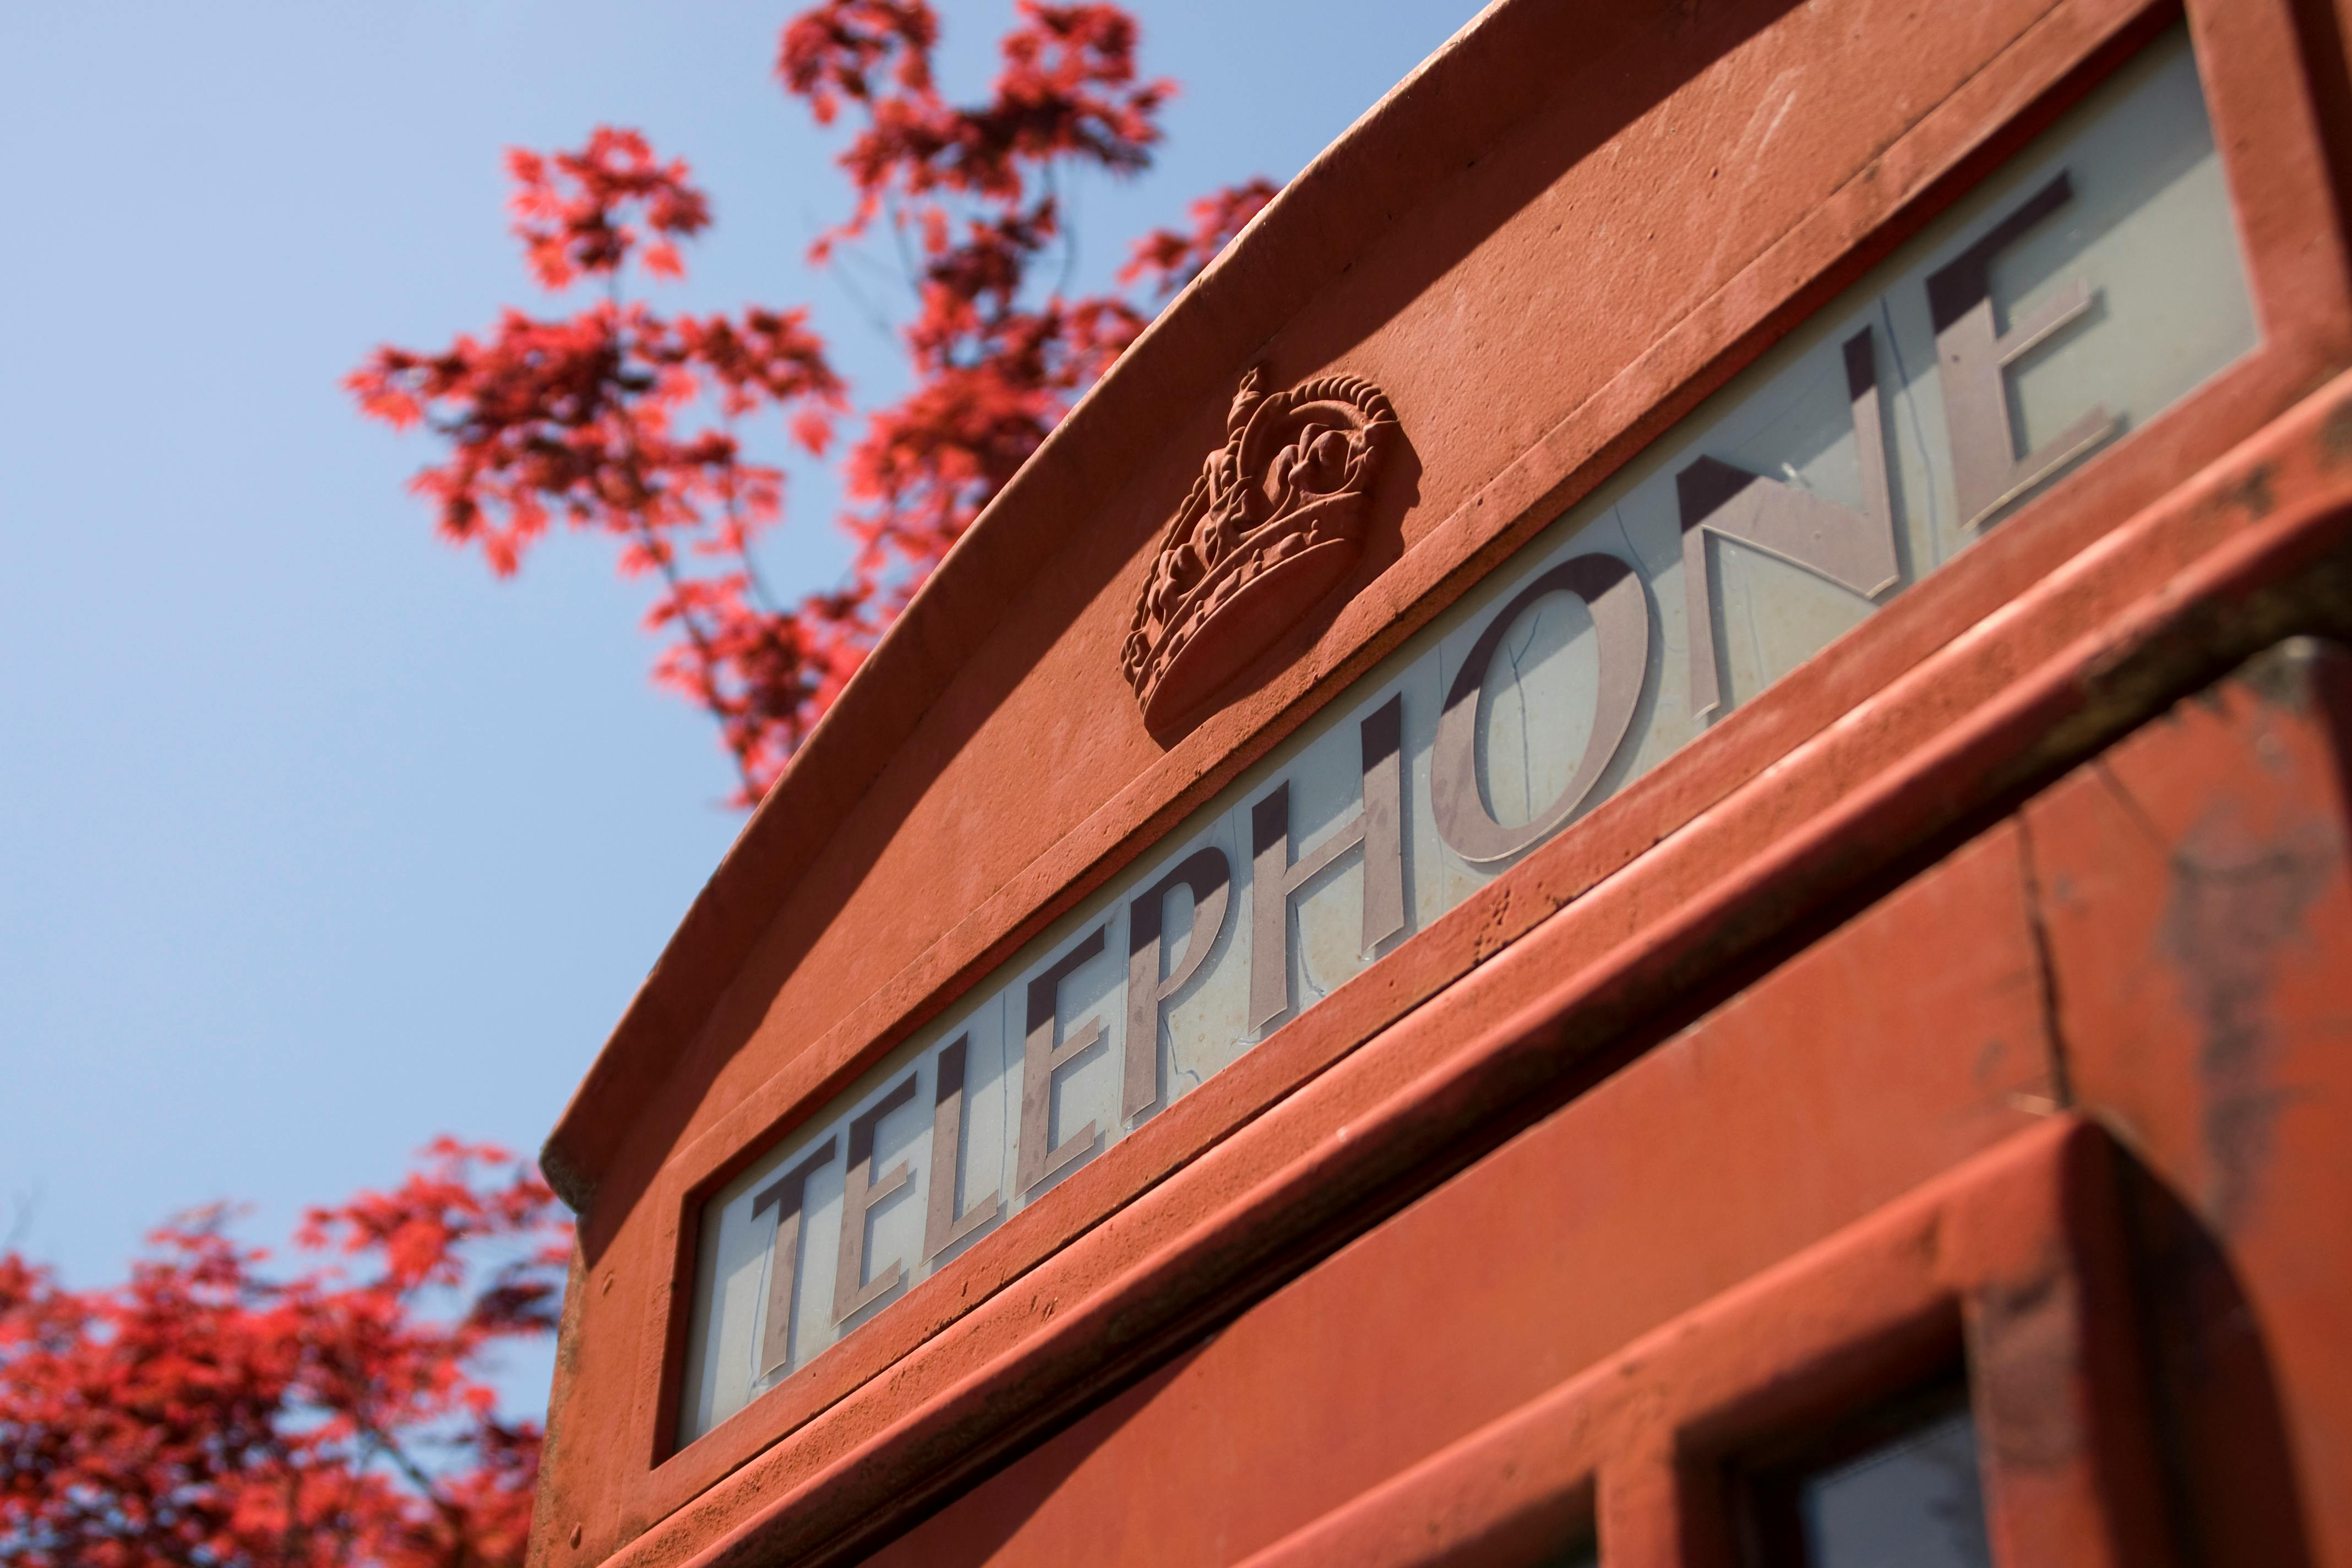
[
  {"x": 2235, "y": 904},
  {"x": 2026, "y": 1327},
  {"x": 2335, "y": 434},
  {"x": 2251, "y": 491}
]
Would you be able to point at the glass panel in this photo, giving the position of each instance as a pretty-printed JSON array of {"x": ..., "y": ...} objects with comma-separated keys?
[
  {"x": 1896, "y": 1487},
  {"x": 1912, "y": 1502}
]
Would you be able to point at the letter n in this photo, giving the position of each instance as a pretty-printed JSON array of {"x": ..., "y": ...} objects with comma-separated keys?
[{"x": 1855, "y": 550}]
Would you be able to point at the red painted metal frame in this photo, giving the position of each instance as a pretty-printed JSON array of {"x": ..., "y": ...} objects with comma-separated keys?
[
  {"x": 2021, "y": 1252},
  {"x": 1904, "y": 686},
  {"x": 2216, "y": 587},
  {"x": 699, "y": 1170},
  {"x": 2158, "y": 938}
]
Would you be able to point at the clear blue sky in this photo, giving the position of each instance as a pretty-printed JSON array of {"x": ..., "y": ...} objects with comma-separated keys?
[{"x": 314, "y": 839}]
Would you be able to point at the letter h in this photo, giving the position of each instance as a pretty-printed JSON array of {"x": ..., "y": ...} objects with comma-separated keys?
[{"x": 1276, "y": 878}]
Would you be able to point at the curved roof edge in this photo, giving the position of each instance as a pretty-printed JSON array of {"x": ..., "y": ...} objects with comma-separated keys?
[{"x": 1472, "y": 90}]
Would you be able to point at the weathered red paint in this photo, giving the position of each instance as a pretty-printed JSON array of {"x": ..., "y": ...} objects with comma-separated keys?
[
  {"x": 2016, "y": 1250},
  {"x": 2197, "y": 901},
  {"x": 2021, "y": 851}
]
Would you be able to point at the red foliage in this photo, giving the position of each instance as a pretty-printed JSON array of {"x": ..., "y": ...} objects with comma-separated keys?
[
  {"x": 571, "y": 222},
  {"x": 623, "y": 420},
  {"x": 203, "y": 1413}
]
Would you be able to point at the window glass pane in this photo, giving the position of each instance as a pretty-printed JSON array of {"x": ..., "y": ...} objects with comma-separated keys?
[{"x": 1914, "y": 1502}]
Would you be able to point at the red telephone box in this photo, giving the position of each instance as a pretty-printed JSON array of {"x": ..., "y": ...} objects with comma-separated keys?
[{"x": 1634, "y": 853}]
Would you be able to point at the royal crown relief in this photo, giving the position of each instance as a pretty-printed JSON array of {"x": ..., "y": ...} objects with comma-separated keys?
[{"x": 1273, "y": 523}]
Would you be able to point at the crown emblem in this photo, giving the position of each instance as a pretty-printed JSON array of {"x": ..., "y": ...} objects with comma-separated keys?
[{"x": 1273, "y": 524}]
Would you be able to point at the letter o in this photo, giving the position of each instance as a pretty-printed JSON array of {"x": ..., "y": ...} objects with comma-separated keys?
[{"x": 1621, "y": 618}]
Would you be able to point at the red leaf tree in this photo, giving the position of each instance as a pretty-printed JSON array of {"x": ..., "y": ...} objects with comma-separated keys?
[
  {"x": 206, "y": 1412},
  {"x": 624, "y": 421}
]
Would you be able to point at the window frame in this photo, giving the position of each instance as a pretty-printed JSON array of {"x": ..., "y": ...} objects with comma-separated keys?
[{"x": 2018, "y": 1256}]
